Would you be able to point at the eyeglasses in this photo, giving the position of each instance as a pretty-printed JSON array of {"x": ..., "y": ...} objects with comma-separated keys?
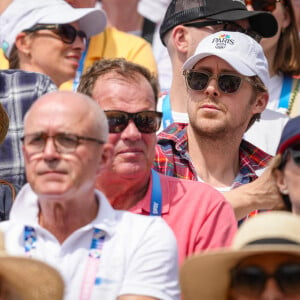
[
  {"x": 66, "y": 32},
  {"x": 63, "y": 142},
  {"x": 219, "y": 25},
  {"x": 264, "y": 5},
  {"x": 227, "y": 83},
  {"x": 251, "y": 280},
  {"x": 145, "y": 121}
]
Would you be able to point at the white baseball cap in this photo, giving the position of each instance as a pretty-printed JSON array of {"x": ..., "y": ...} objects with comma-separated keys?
[
  {"x": 21, "y": 15},
  {"x": 239, "y": 50}
]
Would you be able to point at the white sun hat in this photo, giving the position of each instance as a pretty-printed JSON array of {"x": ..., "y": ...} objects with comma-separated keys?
[{"x": 21, "y": 15}]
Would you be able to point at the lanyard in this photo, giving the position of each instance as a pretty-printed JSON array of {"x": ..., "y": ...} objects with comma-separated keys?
[
  {"x": 156, "y": 195},
  {"x": 29, "y": 240},
  {"x": 80, "y": 68},
  {"x": 94, "y": 257},
  {"x": 167, "y": 111},
  {"x": 285, "y": 92},
  {"x": 93, "y": 264}
]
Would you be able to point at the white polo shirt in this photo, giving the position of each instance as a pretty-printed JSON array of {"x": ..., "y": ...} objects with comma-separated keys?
[{"x": 139, "y": 253}]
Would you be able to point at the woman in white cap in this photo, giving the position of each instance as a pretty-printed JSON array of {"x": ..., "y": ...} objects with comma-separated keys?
[
  {"x": 263, "y": 263},
  {"x": 47, "y": 36}
]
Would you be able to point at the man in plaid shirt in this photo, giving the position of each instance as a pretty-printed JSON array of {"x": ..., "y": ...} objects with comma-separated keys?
[
  {"x": 18, "y": 90},
  {"x": 226, "y": 83}
]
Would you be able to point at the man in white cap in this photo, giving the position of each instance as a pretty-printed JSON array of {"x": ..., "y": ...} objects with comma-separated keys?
[
  {"x": 262, "y": 263},
  {"x": 185, "y": 24},
  {"x": 226, "y": 82}
]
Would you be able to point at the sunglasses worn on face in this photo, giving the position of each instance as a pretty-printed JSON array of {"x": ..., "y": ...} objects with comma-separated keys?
[
  {"x": 264, "y": 5},
  {"x": 295, "y": 154},
  {"x": 251, "y": 280},
  {"x": 227, "y": 83},
  {"x": 66, "y": 32},
  {"x": 145, "y": 121},
  {"x": 219, "y": 25}
]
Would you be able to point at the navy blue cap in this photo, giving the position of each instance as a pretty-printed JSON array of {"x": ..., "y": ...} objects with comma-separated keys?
[{"x": 290, "y": 135}]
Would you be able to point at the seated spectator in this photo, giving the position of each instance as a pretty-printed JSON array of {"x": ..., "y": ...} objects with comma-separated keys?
[
  {"x": 226, "y": 83},
  {"x": 262, "y": 263},
  {"x": 286, "y": 165},
  {"x": 185, "y": 24},
  {"x": 27, "y": 279},
  {"x": 59, "y": 217},
  {"x": 198, "y": 215},
  {"x": 18, "y": 91},
  {"x": 47, "y": 36}
]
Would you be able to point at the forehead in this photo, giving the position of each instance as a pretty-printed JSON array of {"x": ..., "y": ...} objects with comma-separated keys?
[
  {"x": 113, "y": 91},
  {"x": 213, "y": 63},
  {"x": 58, "y": 116}
]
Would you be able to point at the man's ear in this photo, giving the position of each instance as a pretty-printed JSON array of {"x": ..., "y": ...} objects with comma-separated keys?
[
  {"x": 106, "y": 157},
  {"x": 261, "y": 102},
  {"x": 23, "y": 43},
  {"x": 181, "y": 36}
]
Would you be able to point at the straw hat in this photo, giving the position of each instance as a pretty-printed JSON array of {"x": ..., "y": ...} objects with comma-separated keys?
[
  {"x": 206, "y": 275},
  {"x": 4, "y": 123},
  {"x": 30, "y": 278}
]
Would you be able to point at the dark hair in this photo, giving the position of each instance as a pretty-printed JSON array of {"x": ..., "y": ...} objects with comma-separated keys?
[
  {"x": 259, "y": 88},
  {"x": 13, "y": 60},
  {"x": 287, "y": 53},
  {"x": 122, "y": 67},
  {"x": 280, "y": 166}
]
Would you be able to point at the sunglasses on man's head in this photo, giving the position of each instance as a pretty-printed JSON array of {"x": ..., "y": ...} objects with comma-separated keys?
[
  {"x": 145, "y": 121},
  {"x": 219, "y": 25},
  {"x": 264, "y": 5},
  {"x": 227, "y": 83},
  {"x": 66, "y": 32},
  {"x": 251, "y": 280}
]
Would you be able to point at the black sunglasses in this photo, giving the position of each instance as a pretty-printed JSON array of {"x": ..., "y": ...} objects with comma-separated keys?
[
  {"x": 219, "y": 25},
  {"x": 251, "y": 280},
  {"x": 295, "y": 155},
  {"x": 293, "y": 152},
  {"x": 145, "y": 121},
  {"x": 227, "y": 83},
  {"x": 265, "y": 5},
  {"x": 66, "y": 32}
]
